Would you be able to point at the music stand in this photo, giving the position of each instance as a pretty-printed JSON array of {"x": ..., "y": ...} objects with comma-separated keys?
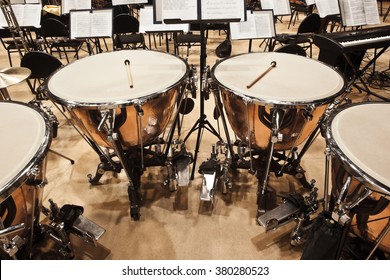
[
  {"x": 147, "y": 25},
  {"x": 204, "y": 17},
  {"x": 259, "y": 25},
  {"x": 91, "y": 24}
]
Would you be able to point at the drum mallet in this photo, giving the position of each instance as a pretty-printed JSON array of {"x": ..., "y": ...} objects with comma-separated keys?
[
  {"x": 273, "y": 65},
  {"x": 127, "y": 62}
]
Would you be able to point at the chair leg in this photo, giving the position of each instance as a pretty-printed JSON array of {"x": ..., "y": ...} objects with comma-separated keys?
[
  {"x": 291, "y": 19},
  {"x": 386, "y": 14},
  {"x": 9, "y": 58},
  {"x": 32, "y": 88},
  {"x": 66, "y": 55}
]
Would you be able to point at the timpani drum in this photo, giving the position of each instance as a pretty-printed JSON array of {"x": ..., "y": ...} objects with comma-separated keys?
[
  {"x": 301, "y": 86},
  {"x": 358, "y": 138},
  {"x": 135, "y": 83},
  {"x": 24, "y": 143}
]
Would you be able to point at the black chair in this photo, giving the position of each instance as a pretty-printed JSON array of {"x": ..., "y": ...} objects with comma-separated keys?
[
  {"x": 57, "y": 38},
  {"x": 188, "y": 39},
  {"x": 299, "y": 6},
  {"x": 292, "y": 49},
  {"x": 332, "y": 23},
  {"x": 309, "y": 26},
  {"x": 10, "y": 44},
  {"x": 42, "y": 65},
  {"x": 117, "y": 9},
  {"x": 126, "y": 33}
]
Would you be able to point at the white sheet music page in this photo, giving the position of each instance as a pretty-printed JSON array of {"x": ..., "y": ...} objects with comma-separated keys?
[
  {"x": 222, "y": 9},
  {"x": 3, "y": 21},
  {"x": 359, "y": 12},
  {"x": 128, "y": 2},
  {"x": 146, "y": 23},
  {"x": 327, "y": 7},
  {"x": 280, "y": 7},
  {"x": 18, "y": 10},
  {"x": 67, "y": 5},
  {"x": 91, "y": 23},
  {"x": 265, "y": 25},
  {"x": 371, "y": 11},
  {"x": 354, "y": 13},
  {"x": 80, "y": 24},
  {"x": 310, "y": 2},
  {"x": 27, "y": 15},
  {"x": 259, "y": 25},
  {"x": 32, "y": 15},
  {"x": 101, "y": 23},
  {"x": 183, "y": 9},
  {"x": 245, "y": 29}
]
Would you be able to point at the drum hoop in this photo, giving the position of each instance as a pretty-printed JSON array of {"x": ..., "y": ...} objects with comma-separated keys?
[
  {"x": 279, "y": 103},
  {"x": 39, "y": 156},
  {"x": 350, "y": 166},
  {"x": 119, "y": 103}
]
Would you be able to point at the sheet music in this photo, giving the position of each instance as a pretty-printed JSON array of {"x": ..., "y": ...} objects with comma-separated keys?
[
  {"x": 371, "y": 11},
  {"x": 3, "y": 22},
  {"x": 67, "y": 5},
  {"x": 259, "y": 25},
  {"x": 80, "y": 24},
  {"x": 91, "y": 23},
  {"x": 359, "y": 12},
  {"x": 157, "y": 11},
  {"x": 27, "y": 15},
  {"x": 327, "y": 7},
  {"x": 146, "y": 23},
  {"x": 245, "y": 29},
  {"x": 192, "y": 10},
  {"x": 280, "y": 7},
  {"x": 183, "y": 9},
  {"x": 100, "y": 26},
  {"x": 128, "y": 2},
  {"x": 310, "y": 2},
  {"x": 25, "y": 2},
  {"x": 32, "y": 15},
  {"x": 222, "y": 9}
]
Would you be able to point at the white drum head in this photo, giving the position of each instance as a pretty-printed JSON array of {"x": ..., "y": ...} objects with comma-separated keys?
[
  {"x": 24, "y": 137},
  {"x": 295, "y": 79},
  {"x": 361, "y": 133},
  {"x": 104, "y": 79}
]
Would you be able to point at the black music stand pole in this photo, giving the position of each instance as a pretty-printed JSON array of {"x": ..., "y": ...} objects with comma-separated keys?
[{"x": 202, "y": 122}]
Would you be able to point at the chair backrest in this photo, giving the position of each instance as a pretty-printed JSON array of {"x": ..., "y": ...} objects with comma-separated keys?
[
  {"x": 5, "y": 33},
  {"x": 310, "y": 24},
  {"x": 41, "y": 64},
  {"x": 52, "y": 27},
  {"x": 125, "y": 23},
  {"x": 293, "y": 49}
]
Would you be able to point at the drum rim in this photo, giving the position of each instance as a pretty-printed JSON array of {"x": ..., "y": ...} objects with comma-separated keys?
[
  {"x": 350, "y": 166},
  {"x": 116, "y": 103},
  {"x": 279, "y": 103},
  {"x": 22, "y": 176}
]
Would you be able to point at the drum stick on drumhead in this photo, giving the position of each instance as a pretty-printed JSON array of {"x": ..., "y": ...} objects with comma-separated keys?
[
  {"x": 273, "y": 65},
  {"x": 127, "y": 62}
]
